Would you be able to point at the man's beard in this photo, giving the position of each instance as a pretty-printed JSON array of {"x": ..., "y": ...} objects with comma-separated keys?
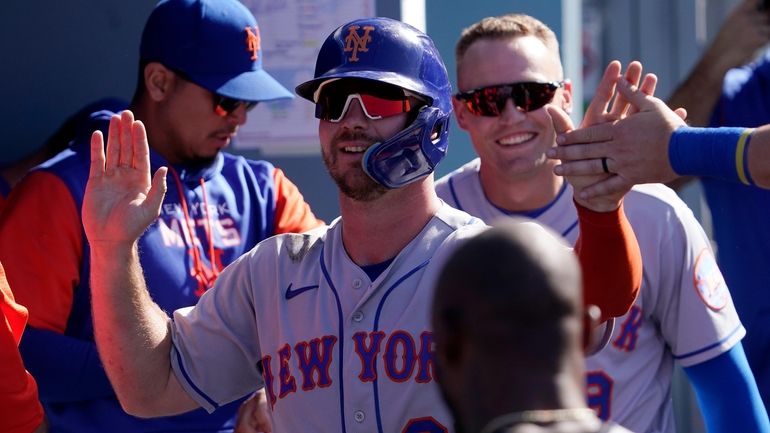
[
  {"x": 201, "y": 161},
  {"x": 354, "y": 183}
]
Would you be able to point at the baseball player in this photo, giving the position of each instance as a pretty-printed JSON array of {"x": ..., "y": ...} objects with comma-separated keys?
[
  {"x": 732, "y": 161},
  {"x": 334, "y": 322},
  {"x": 508, "y": 70},
  {"x": 519, "y": 285},
  {"x": 200, "y": 74}
]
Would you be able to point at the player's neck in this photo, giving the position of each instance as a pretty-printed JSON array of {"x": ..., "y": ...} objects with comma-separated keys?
[
  {"x": 378, "y": 230},
  {"x": 156, "y": 136},
  {"x": 554, "y": 392},
  {"x": 520, "y": 193}
]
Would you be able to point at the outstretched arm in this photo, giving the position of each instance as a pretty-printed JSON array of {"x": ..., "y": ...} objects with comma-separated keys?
[
  {"x": 651, "y": 146},
  {"x": 727, "y": 394},
  {"x": 132, "y": 333},
  {"x": 607, "y": 247},
  {"x": 600, "y": 112}
]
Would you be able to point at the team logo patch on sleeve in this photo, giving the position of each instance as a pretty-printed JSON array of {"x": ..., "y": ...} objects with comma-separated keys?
[{"x": 709, "y": 282}]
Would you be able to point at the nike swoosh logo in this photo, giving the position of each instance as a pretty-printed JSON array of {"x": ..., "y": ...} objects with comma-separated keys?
[{"x": 298, "y": 291}]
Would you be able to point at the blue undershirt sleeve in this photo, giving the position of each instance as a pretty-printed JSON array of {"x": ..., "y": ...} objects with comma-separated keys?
[
  {"x": 727, "y": 394},
  {"x": 65, "y": 368}
]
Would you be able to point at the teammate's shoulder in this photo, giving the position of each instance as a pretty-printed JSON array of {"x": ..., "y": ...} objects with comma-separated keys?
[
  {"x": 742, "y": 78},
  {"x": 657, "y": 205},
  {"x": 469, "y": 169},
  {"x": 652, "y": 194},
  {"x": 455, "y": 218},
  {"x": 70, "y": 166},
  {"x": 233, "y": 160}
]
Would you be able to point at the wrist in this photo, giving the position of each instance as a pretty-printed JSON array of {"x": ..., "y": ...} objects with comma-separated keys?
[
  {"x": 112, "y": 250},
  {"x": 598, "y": 205},
  {"x": 711, "y": 152},
  {"x": 603, "y": 218}
]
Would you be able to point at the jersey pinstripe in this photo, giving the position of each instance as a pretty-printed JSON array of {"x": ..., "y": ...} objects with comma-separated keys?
[{"x": 684, "y": 311}]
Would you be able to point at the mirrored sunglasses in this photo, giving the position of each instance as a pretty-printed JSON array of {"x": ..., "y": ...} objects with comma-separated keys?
[
  {"x": 225, "y": 106},
  {"x": 527, "y": 96},
  {"x": 377, "y": 99},
  {"x": 334, "y": 107}
]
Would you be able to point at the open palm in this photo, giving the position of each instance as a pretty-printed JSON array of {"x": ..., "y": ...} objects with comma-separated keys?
[{"x": 120, "y": 201}]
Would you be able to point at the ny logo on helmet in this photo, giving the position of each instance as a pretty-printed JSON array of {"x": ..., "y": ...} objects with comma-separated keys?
[
  {"x": 355, "y": 42},
  {"x": 252, "y": 41}
]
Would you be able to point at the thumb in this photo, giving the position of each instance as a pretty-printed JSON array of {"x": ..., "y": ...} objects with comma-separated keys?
[
  {"x": 157, "y": 190},
  {"x": 561, "y": 121}
]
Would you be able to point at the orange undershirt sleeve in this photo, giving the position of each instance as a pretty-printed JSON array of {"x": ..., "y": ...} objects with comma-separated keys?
[
  {"x": 292, "y": 213},
  {"x": 41, "y": 247},
  {"x": 611, "y": 261}
]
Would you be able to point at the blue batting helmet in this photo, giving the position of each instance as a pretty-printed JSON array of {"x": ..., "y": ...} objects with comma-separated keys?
[{"x": 390, "y": 51}]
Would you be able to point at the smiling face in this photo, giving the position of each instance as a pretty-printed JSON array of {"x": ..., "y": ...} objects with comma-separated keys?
[
  {"x": 513, "y": 144},
  {"x": 343, "y": 145},
  {"x": 344, "y": 141}
]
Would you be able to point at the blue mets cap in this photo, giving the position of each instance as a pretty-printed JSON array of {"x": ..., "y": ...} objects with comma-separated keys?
[{"x": 214, "y": 43}]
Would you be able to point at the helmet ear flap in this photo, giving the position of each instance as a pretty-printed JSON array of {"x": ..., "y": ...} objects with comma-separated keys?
[{"x": 411, "y": 154}]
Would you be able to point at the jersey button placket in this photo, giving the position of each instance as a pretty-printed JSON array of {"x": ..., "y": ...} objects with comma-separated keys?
[
  {"x": 359, "y": 416},
  {"x": 356, "y": 283},
  {"x": 358, "y": 316}
]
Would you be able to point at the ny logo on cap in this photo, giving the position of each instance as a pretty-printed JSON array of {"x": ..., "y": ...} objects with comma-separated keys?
[
  {"x": 355, "y": 42},
  {"x": 252, "y": 41}
]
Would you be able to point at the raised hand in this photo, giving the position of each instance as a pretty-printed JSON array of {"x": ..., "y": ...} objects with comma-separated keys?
[
  {"x": 120, "y": 201},
  {"x": 636, "y": 147},
  {"x": 599, "y": 110},
  {"x": 606, "y": 106}
]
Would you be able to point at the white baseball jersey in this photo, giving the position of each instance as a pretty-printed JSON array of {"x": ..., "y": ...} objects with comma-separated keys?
[
  {"x": 338, "y": 352},
  {"x": 684, "y": 311}
]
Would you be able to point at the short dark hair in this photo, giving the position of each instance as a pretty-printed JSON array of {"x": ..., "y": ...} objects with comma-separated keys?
[
  {"x": 503, "y": 27},
  {"x": 513, "y": 282}
]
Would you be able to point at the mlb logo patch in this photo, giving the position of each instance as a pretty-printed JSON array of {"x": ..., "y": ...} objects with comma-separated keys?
[{"x": 709, "y": 282}]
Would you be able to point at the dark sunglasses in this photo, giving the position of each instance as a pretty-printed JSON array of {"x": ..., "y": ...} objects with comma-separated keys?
[
  {"x": 225, "y": 106},
  {"x": 377, "y": 100},
  {"x": 527, "y": 96}
]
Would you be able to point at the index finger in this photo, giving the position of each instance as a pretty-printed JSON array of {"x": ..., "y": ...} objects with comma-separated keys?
[
  {"x": 578, "y": 153},
  {"x": 604, "y": 91},
  {"x": 590, "y": 134},
  {"x": 648, "y": 88},
  {"x": 620, "y": 104}
]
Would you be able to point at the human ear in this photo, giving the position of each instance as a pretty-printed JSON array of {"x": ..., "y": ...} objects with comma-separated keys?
[
  {"x": 158, "y": 81},
  {"x": 566, "y": 92},
  {"x": 461, "y": 113}
]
